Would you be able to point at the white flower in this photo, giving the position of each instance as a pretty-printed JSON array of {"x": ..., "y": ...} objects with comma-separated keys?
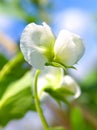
[
  {"x": 70, "y": 84},
  {"x": 36, "y": 44},
  {"x": 53, "y": 78},
  {"x": 68, "y": 48},
  {"x": 39, "y": 46},
  {"x": 49, "y": 77}
]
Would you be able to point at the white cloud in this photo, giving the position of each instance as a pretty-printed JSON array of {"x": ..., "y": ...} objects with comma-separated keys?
[
  {"x": 73, "y": 19},
  {"x": 5, "y": 22}
]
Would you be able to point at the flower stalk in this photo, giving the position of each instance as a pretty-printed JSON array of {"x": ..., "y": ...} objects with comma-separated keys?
[{"x": 37, "y": 103}]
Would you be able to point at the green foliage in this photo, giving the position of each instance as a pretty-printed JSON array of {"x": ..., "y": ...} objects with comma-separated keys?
[
  {"x": 17, "y": 100},
  {"x": 12, "y": 9},
  {"x": 3, "y": 60},
  {"x": 15, "y": 90},
  {"x": 12, "y": 71},
  {"x": 59, "y": 94},
  {"x": 77, "y": 120},
  {"x": 89, "y": 91},
  {"x": 17, "y": 8}
]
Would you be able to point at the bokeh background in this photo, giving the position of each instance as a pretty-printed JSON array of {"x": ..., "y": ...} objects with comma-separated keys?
[{"x": 17, "y": 111}]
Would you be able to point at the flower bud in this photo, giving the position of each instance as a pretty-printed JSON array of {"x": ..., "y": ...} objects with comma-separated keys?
[
  {"x": 68, "y": 48},
  {"x": 52, "y": 78},
  {"x": 70, "y": 84}
]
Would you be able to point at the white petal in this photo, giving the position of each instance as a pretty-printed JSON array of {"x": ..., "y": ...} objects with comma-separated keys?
[
  {"x": 36, "y": 41},
  {"x": 79, "y": 47},
  {"x": 49, "y": 77},
  {"x": 52, "y": 75},
  {"x": 70, "y": 84},
  {"x": 68, "y": 48}
]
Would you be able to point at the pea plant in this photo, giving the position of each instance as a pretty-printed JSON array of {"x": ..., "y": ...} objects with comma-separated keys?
[{"x": 50, "y": 58}]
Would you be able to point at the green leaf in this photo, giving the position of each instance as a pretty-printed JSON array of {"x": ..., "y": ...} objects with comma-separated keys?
[
  {"x": 89, "y": 90},
  {"x": 12, "y": 71},
  {"x": 58, "y": 94},
  {"x": 17, "y": 100},
  {"x": 3, "y": 60},
  {"x": 15, "y": 91},
  {"x": 64, "y": 91},
  {"x": 77, "y": 119}
]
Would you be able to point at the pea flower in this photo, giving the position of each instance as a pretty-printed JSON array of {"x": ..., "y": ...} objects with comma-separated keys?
[
  {"x": 70, "y": 84},
  {"x": 53, "y": 79},
  {"x": 68, "y": 48},
  {"x": 40, "y": 47}
]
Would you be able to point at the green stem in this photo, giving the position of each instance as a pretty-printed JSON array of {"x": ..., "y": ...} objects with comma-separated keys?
[{"x": 37, "y": 102}]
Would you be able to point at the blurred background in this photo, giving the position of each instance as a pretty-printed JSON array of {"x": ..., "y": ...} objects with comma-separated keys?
[{"x": 17, "y": 110}]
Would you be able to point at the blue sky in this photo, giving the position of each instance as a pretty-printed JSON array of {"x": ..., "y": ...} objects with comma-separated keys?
[
  {"x": 75, "y": 15},
  {"x": 11, "y": 26},
  {"x": 89, "y": 5}
]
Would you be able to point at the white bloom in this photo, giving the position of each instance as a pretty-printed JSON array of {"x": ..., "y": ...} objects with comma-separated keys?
[
  {"x": 37, "y": 44},
  {"x": 68, "y": 48},
  {"x": 70, "y": 84},
  {"x": 53, "y": 77},
  {"x": 49, "y": 77}
]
